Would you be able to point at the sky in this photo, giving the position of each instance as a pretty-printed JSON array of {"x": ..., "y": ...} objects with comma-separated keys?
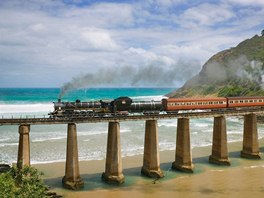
[{"x": 154, "y": 43}]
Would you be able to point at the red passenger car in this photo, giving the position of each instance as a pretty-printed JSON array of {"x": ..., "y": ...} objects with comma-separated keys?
[
  {"x": 175, "y": 104},
  {"x": 245, "y": 101}
]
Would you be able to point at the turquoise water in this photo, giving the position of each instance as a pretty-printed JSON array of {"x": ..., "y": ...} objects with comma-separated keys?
[
  {"x": 45, "y": 95},
  {"x": 48, "y": 142}
]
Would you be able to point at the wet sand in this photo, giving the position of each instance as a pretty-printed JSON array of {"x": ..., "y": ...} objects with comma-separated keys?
[{"x": 244, "y": 178}]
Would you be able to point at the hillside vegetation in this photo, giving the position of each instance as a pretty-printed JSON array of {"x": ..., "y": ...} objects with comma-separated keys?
[{"x": 238, "y": 71}]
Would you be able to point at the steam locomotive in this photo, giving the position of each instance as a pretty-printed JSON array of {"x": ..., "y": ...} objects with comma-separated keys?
[{"x": 125, "y": 105}]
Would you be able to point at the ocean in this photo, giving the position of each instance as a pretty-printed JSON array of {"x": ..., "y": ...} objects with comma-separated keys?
[{"x": 48, "y": 142}]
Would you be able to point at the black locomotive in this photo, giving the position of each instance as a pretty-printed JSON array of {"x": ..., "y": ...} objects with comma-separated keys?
[
  {"x": 121, "y": 105},
  {"x": 125, "y": 105}
]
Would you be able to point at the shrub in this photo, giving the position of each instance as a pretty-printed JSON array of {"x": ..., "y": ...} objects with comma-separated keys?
[{"x": 22, "y": 183}]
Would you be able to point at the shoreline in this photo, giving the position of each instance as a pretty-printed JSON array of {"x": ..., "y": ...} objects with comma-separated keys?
[{"x": 243, "y": 178}]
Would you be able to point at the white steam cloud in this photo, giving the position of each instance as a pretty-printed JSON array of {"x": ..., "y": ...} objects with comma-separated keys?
[
  {"x": 238, "y": 67},
  {"x": 154, "y": 75}
]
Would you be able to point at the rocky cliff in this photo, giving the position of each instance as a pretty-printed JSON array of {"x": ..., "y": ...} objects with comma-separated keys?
[{"x": 238, "y": 71}]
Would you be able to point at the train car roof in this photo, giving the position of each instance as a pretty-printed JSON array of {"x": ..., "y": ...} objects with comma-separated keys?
[
  {"x": 245, "y": 97},
  {"x": 195, "y": 99}
]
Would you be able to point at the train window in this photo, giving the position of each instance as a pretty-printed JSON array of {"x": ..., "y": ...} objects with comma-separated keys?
[
  {"x": 260, "y": 100},
  {"x": 250, "y": 100},
  {"x": 255, "y": 100},
  {"x": 241, "y": 101},
  {"x": 231, "y": 102},
  {"x": 246, "y": 100},
  {"x": 199, "y": 103},
  {"x": 236, "y": 101}
]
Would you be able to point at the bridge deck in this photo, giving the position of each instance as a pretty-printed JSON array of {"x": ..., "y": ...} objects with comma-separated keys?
[{"x": 95, "y": 119}]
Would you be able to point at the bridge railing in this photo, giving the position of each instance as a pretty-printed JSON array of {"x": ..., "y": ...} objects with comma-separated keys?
[{"x": 23, "y": 116}]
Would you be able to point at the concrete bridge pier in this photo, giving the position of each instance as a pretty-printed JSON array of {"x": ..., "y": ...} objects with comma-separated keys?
[
  {"x": 219, "y": 147},
  {"x": 183, "y": 157},
  {"x": 250, "y": 138},
  {"x": 151, "y": 160},
  {"x": 72, "y": 179},
  {"x": 23, "y": 157},
  {"x": 113, "y": 165}
]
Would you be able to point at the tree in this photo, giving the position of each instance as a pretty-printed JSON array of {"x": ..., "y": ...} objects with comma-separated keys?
[
  {"x": 262, "y": 32},
  {"x": 24, "y": 182}
]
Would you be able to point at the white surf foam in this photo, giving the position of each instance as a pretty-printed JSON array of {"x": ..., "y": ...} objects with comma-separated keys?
[{"x": 26, "y": 108}]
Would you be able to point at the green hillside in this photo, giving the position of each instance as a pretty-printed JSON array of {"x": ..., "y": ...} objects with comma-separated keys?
[{"x": 238, "y": 71}]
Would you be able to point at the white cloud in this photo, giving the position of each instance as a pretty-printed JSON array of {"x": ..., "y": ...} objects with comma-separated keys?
[
  {"x": 148, "y": 57},
  {"x": 50, "y": 38},
  {"x": 98, "y": 39},
  {"x": 38, "y": 27},
  {"x": 165, "y": 3},
  {"x": 246, "y": 2},
  {"x": 206, "y": 15},
  {"x": 101, "y": 15}
]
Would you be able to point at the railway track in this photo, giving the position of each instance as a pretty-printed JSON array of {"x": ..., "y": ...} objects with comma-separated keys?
[{"x": 132, "y": 117}]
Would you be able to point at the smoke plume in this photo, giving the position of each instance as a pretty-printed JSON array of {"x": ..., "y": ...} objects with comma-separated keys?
[
  {"x": 151, "y": 75},
  {"x": 237, "y": 67}
]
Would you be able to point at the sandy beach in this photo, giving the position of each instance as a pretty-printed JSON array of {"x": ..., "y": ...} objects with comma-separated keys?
[{"x": 244, "y": 178}]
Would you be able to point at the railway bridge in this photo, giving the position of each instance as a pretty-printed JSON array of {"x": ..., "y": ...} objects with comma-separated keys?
[{"x": 151, "y": 161}]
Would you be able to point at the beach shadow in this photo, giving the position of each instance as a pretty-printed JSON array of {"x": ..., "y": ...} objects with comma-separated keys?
[
  {"x": 261, "y": 149},
  {"x": 94, "y": 181},
  {"x": 133, "y": 177}
]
